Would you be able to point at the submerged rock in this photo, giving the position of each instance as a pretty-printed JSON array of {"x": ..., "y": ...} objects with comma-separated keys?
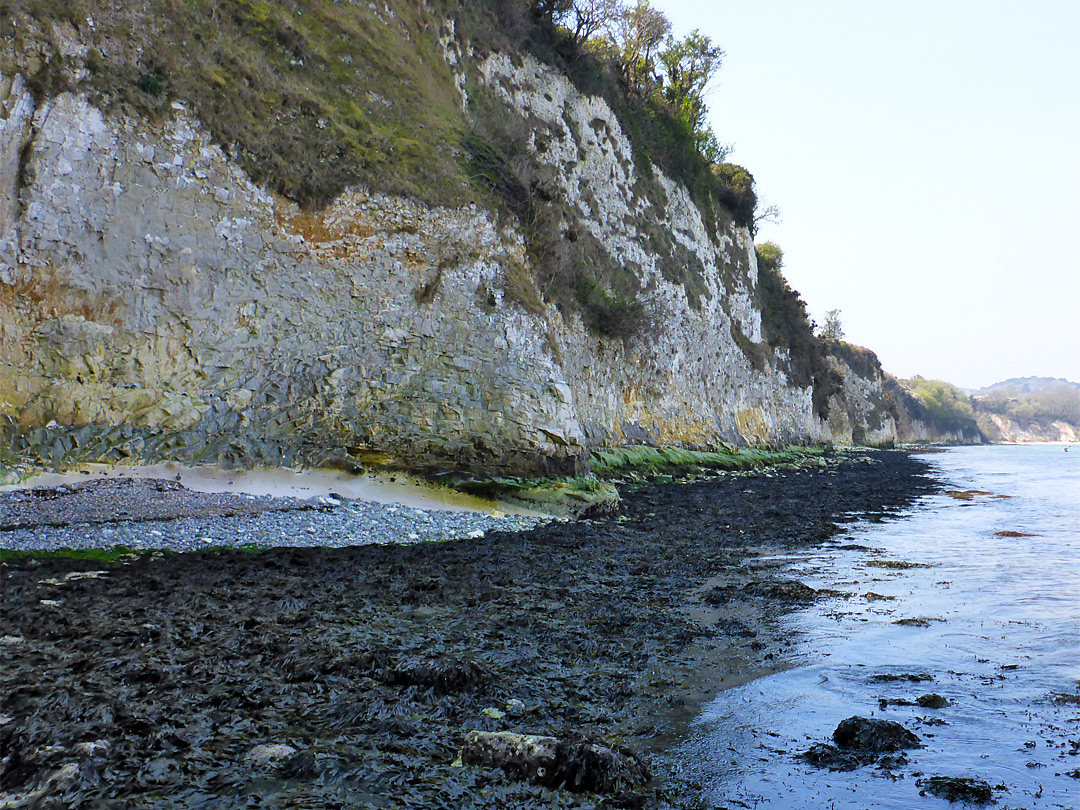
[
  {"x": 914, "y": 677},
  {"x": 957, "y": 789},
  {"x": 928, "y": 701}
]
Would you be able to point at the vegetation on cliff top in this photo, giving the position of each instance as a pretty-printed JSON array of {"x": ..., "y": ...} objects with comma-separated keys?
[
  {"x": 1037, "y": 404},
  {"x": 312, "y": 97},
  {"x": 944, "y": 406},
  {"x": 309, "y": 97}
]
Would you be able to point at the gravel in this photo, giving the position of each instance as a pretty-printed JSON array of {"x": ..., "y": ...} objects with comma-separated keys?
[{"x": 325, "y": 521}]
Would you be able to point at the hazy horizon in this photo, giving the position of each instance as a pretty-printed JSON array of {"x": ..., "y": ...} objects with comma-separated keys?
[{"x": 924, "y": 158}]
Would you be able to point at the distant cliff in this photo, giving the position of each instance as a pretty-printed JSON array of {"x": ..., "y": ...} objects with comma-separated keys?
[
  {"x": 495, "y": 277},
  {"x": 929, "y": 411},
  {"x": 1015, "y": 411},
  {"x": 1029, "y": 409}
]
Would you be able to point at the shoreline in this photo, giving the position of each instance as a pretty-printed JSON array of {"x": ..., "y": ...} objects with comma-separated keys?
[
  {"x": 375, "y": 661},
  {"x": 279, "y": 483}
]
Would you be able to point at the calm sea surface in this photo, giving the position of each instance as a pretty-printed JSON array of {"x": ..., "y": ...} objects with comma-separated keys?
[{"x": 997, "y": 630}]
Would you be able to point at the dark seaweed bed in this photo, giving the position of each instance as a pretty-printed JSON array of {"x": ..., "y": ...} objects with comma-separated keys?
[{"x": 149, "y": 685}]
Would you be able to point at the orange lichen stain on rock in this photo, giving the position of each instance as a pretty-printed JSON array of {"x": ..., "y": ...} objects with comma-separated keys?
[
  {"x": 43, "y": 297},
  {"x": 328, "y": 233},
  {"x": 415, "y": 260}
]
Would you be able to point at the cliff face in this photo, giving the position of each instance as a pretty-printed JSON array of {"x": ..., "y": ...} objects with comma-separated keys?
[
  {"x": 859, "y": 410},
  {"x": 1001, "y": 429},
  {"x": 916, "y": 424},
  {"x": 155, "y": 302}
]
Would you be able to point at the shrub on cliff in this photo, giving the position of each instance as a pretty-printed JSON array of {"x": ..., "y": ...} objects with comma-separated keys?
[
  {"x": 947, "y": 407},
  {"x": 785, "y": 324},
  {"x": 735, "y": 191},
  {"x": 655, "y": 83},
  {"x": 859, "y": 359}
]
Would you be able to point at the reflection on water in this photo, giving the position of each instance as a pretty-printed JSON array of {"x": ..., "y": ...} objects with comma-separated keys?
[{"x": 992, "y": 620}]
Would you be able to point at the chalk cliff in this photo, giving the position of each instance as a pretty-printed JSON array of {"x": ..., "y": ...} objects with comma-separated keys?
[
  {"x": 155, "y": 302},
  {"x": 1003, "y": 430}
]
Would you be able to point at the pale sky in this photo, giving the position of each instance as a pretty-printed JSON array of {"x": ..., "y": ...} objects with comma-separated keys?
[{"x": 926, "y": 160}]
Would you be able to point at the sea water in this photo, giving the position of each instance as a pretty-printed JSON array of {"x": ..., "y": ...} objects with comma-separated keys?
[{"x": 992, "y": 620}]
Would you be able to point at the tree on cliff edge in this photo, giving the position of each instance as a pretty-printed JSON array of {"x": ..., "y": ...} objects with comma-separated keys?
[{"x": 832, "y": 329}]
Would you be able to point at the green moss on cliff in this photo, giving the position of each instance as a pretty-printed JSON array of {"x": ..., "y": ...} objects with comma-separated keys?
[{"x": 310, "y": 97}]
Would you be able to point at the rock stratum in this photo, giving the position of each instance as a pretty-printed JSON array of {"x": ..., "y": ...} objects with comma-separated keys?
[{"x": 155, "y": 302}]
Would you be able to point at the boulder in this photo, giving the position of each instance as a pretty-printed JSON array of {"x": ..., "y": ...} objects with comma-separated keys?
[
  {"x": 871, "y": 736},
  {"x": 577, "y": 765},
  {"x": 860, "y": 741}
]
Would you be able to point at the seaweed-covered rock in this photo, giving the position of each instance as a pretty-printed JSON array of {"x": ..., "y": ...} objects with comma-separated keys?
[
  {"x": 828, "y": 756},
  {"x": 582, "y": 765},
  {"x": 444, "y": 674},
  {"x": 577, "y": 765},
  {"x": 525, "y": 756},
  {"x": 871, "y": 736},
  {"x": 860, "y": 741},
  {"x": 300, "y": 766},
  {"x": 957, "y": 789},
  {"x": 789, "y": 590},
  {"x": 932, "y": 701}
]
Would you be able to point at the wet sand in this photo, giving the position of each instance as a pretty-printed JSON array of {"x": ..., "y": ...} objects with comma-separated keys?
[
  {"x": 280, "y": 486},
  {"x": 152, "y": 683}
]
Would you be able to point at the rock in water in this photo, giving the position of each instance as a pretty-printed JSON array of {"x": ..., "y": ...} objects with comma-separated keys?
[
  {"x": 957, "y": 789},
  {"x": 828, "y": 756},
  {"x": 860, "y": 741},
  {"x": 577, "y": 765},
  {"x": 871, "y": 736},
  {"x": 932, "y": 701}
]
